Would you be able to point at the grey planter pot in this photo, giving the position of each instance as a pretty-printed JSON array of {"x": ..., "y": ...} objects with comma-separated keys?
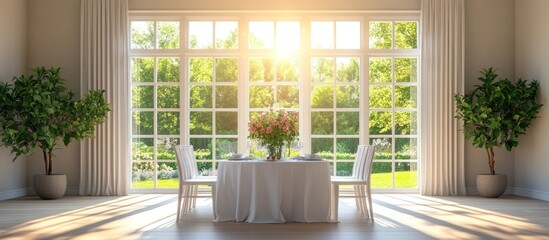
[
  {"x": 491, "y": 186},
  {"x": 49, "y": 187}
]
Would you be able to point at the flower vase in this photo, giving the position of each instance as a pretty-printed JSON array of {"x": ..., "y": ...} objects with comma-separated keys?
[{"x": 274, "y": 152}]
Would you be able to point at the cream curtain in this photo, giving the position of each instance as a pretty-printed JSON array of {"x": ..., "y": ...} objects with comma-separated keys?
[
  {"x": 103, "y": 65},
  {"x": 442, "y": 39}
]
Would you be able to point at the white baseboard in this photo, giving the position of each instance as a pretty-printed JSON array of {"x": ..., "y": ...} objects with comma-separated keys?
[
  {"x": 70, "y": 191},
  {"x": 523, "y": 192},
  {"x": 13, "y": 194}
]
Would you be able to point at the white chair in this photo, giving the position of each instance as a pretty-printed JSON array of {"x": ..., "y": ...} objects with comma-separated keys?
[
  {"x": 189, "y": 180},
  {"x": 360, "y": 179}
]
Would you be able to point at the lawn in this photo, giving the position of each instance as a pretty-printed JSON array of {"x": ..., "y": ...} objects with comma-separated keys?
[{"x": 379, "y": 180}]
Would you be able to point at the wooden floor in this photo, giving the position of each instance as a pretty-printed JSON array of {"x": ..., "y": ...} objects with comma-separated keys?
[{"x": 152, "y": 216}]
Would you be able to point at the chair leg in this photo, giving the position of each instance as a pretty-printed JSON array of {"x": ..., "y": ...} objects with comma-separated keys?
[
  {"x": 179, "y": 203},
  {"x": 186, "y": 200},
  {"x": 370, "y": 206},
  {"x": 356, "y": 192},
  {"x": 195, "y": 195},
  {"x": 358, "y": 200}
]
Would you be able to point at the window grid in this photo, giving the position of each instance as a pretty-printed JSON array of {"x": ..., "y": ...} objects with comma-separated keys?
[{"x": 243, "y": 110}]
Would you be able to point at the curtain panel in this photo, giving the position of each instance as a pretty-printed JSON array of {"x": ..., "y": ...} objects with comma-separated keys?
[
  {"x": 103, "y": 65},
  {"x": 442, "y": 144}
]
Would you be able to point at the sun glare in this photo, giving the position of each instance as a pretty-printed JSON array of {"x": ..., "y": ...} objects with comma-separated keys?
[{"x": 287, "y": 38}]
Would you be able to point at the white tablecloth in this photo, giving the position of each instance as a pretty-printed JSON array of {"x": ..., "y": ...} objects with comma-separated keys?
[{"x": 273, "y": 191}]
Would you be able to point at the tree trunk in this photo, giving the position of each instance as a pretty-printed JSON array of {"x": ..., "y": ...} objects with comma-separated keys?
[
  {"x": 50, "y": 163},
  {"x": 491, "y": 160},
  {"x": 46, "y": 165}
]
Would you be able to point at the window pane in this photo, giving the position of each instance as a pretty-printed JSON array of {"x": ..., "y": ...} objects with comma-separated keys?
[
  {"x": 165, "y": 148},
  {"x": 380, "y": 70},
  {"x": 322, "y": 97},
  {"x": 344, "y": 169},
  {"x": 261, "y": 35},
  {"x": 226, "y": 35},
  {"x": 142, "y": 123},
  {"x": 201, "y": 70},
  {"x": 406, "y": 69},
  {"x": 347, "y": 123},
  {"x": 346, "y": 148},
  {"x": 200, "y": 123},
  {"x": 288, "y": 96},
  {"x": 382, "y": 176},
  {"x": 226, "y": 147},
  {"x": 142, "y": 97},
  {"x": 168, "y": 123},
  {"x": 168, "y": 70},
  {"x": 261, "y": 69},
  {"x": 201, "y": 96},
  {"x": 168, "y": 96},
  {"x": 288, "y": 37},
  {"x": 348, "y": 96},
  {"x": 380, "y": 35},
  {"x": 406, "y": 175},
  {"x": 347, "y": 69},
  {"x": 226, "y": 123},
  {"x": 142, "y": 149},
  {"x": 380, "y": 122},
  {"x": 226, "y": 96},
  {"x": 287, "y": 70},
  {"x": 200, "y": 35},
  {"x": 142, "y": 69},
  {"x": 142, "y": 34},
  {"x": 348, "y": 35},
  {"x": 142, "y": 175},
  {"x": 380, "y": 96},
  {"x": 202, "y": 148},
  {"x": 383, "y": 148},
  {"x": 405, "y": 96},
  {"x": 405, "y": 123},
  {"x": 323, "y": 147},
  {"x": 322, "y": 69},
  {"x": 226, "y": 69},
  {"x": 406, "y": 148},
  {"x": 406, "y": 35},
  {"x": 167, "y": 36},
  {"x": 261, "y": 96},
  {"x": 322, "y": 35},
  {"x": 322, "y": 123},
  {"x": 167, "y": 175}
]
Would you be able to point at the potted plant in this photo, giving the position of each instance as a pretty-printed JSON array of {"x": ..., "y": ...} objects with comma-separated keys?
[
  {"x": 36, "y": 111},
  {"x": 495, "y": 114}
]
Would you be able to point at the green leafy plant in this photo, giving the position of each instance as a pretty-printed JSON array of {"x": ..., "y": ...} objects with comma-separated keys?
[
  {"x": 38, "y": 111},
  {"x": 495, "y": 113}
]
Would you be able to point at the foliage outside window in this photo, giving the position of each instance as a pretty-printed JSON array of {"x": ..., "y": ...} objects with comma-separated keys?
[{"x": 188, "y": 78}]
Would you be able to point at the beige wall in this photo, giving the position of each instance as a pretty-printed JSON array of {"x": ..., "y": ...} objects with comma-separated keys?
[
  {"x": 13, "y": 62},
  {"x": 532, "y": 62},
  {"x": 54, "y": 40},
  {"x": 489, "y": 42}
]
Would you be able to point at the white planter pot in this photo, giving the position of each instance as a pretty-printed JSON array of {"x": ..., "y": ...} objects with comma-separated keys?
[
  {"x": 491, "y": 186},
  {"x": 49, "y": 187}
]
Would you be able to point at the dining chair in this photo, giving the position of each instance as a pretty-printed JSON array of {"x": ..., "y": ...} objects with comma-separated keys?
[
  {"x": 189, "y": 180},
  {"x": 360, "y": 180}
]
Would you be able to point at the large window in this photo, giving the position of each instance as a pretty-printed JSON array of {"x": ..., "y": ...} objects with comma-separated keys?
[{"x": 198, "y": 80}]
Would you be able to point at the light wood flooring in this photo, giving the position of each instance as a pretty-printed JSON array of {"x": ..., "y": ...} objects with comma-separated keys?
[{"x": 152, "y": 216}]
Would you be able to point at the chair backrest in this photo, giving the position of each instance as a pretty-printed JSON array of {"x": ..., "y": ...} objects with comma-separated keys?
[
  {"x": 186, "y": 162},
  {"x": 363, "y": 162}
]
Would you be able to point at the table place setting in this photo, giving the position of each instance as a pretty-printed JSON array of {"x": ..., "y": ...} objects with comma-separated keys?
[{"x": 308, "y": 157}]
